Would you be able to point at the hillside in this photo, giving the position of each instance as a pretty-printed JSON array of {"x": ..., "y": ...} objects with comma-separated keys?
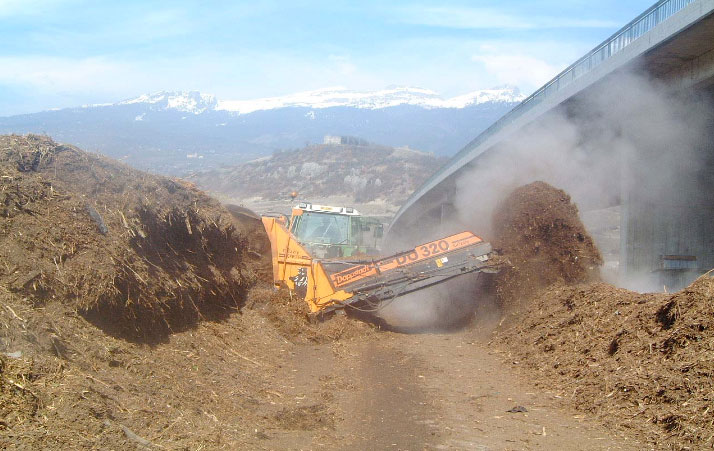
[
  {"x": 357, "y": 173},
  {"x": 176, "y": 133}
]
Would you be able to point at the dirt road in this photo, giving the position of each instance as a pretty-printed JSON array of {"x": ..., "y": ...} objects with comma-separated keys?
[{"x": 414, "y": 392}]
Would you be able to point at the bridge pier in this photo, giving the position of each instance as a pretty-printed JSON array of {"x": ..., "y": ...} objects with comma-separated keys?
[{"x": 667, "y": 217}]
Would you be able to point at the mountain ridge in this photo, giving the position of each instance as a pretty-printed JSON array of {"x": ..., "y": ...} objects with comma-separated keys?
[
  {"x": 197, "y": 102},
  {"x": 182, "y": 132}
]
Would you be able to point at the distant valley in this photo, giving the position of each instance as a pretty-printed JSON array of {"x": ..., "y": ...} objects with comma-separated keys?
[{"x": 178, "y": 133}]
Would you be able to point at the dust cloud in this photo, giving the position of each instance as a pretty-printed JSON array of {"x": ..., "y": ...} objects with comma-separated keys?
[
  {"x": 634, "y": 130},
  {"x": 448, "y": 305}
]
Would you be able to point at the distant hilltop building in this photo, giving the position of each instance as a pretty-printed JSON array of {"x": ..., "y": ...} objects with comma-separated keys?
[
  {"x": 344, "y": 141},
  {"x": 329, "y": 139}
]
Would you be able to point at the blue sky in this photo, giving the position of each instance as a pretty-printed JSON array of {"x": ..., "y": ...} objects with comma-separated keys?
[{"x": 60, "y": 53}]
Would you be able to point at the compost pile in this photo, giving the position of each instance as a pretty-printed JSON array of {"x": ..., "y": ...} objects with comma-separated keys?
[
  {"x": 162, "y": 270},
  {"x": 139, "y": 255},
  {"x": 640, "y": 362},
  {"x": 290, "y": 316},
  {"x": 542, "y": 240}
]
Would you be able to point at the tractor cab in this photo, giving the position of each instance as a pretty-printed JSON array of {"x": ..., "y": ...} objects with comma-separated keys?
[{"x": 330, "y": 232}]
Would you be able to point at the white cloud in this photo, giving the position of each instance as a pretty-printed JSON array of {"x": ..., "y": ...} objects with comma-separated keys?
[
  {"x": 151, "y": 25},
  {"x": 65, "y": 82},
  {"x": 15, "y": 7},
  {"x": 64, "y": 74},
  {"x": 484, "y": 18},
  {"x": 525, "y": 71},
  {"x": 461, "y": 18},
  {"x": 342, "y": 64},
  {"x": 453, "y": 66},
  {"x": 449, "y": 66},
  {"x": 10, "y": 8}
]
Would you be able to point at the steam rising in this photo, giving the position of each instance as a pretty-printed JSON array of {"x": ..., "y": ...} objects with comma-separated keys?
[{"x": 632, "y": 135}]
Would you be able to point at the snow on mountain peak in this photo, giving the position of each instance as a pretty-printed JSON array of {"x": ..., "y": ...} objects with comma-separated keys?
[
  {"x": 195, "y": 102},
  {"x": 392, "y": 96},
  {"x": 187, "y": 101}
]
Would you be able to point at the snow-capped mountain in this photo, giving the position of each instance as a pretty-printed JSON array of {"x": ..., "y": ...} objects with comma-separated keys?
[
  {"x": 196, "y": 102},
  {"x": 341, "y": 97},
  {"x": 178, "y": 132},
  {"x": 189, "y": 102}
]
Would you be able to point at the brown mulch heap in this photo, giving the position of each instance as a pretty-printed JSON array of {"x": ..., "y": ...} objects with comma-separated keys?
[
  {"x": 86, "y": 241},
  {"x": 249, "y": 224},
  {"x": 289, "y": 314},
  {"x": 18, "y": 404},
  {"x": 540, "y": 236},
  {"x": 139, "y": 255},
  {"x": 65, "y": 384},
  {"x": 640, "y": 362}
]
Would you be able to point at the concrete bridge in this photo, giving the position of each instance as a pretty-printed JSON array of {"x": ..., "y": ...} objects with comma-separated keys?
[{"x": 664, "y": 200}]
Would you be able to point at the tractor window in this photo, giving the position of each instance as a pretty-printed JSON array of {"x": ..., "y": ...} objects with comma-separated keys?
[
  {"x": 366, "y": 231},
  {"x": 324, "y": 228}
]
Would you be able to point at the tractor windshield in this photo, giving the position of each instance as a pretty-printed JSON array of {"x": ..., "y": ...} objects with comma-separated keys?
[{"x": 323, "y": 228}]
